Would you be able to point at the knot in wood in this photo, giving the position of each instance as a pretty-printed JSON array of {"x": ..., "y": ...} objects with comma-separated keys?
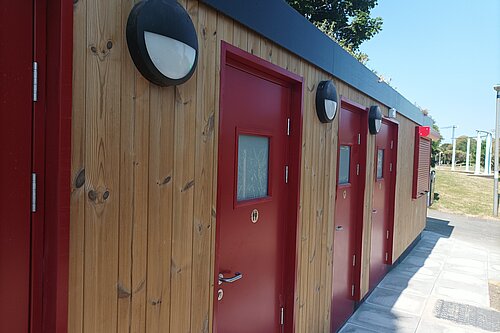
[
  {"x": 92, "y": 195},
  {"x": 80, "y": 179}
]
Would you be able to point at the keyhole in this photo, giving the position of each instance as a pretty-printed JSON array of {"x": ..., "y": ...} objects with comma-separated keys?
[
  {"x": 220, "y": 294},
  {"x": 254, "y": 216}
]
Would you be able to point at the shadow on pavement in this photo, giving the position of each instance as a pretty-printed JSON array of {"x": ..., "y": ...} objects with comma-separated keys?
[
  {"x": 441, "y": 227},
  {"x": 398, "y": 302}
]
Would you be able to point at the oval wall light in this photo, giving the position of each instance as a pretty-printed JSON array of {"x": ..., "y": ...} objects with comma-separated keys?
[
  {"x": 326, "y": 101},
  {"x": 392, "y": 113},
  {"x": 162, "y": 41},
  {"x": 374, "y": 119}
]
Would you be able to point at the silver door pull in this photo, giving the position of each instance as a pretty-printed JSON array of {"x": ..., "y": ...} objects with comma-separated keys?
[
  {"x": 339, "y": 228},
  {"x": 236, "y": 277}
]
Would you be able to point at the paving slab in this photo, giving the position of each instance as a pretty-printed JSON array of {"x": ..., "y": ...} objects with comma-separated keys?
[
  {"x": 398, "y": 300},
  {"x": 410, "y": 270},
  {"x": 424, "y": 262},
  {"x": 461, "y": 292},
  {"x": 350, "y": 328},
  {"x": 418, "y": 284},
  {"x": 382, "y": 319}
]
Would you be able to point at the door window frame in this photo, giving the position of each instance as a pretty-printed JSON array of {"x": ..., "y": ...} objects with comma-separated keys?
[{"x": 241, "y": 203}]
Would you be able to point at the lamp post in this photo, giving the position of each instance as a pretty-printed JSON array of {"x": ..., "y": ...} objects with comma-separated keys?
[
  {"x": 497, "y": 132},
  {"x": 487, "y": 154},
  {"x": 477, "y": 167},
  {"x": 467, "y": 159},
  {"x": 454, "y": 147},
  {"x": 454, "y": 142}
]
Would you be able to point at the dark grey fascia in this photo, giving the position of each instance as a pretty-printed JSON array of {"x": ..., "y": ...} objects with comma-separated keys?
[{"x": 277, "y": 21}]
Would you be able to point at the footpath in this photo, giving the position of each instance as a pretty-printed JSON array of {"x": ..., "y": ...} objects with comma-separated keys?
[{"x": 449, "y": 282}]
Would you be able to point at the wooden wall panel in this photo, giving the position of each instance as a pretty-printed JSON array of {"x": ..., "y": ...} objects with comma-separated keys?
[
  {"x": 78, "y": 189},
  {"x": 134, "y": 179},
  {"x": 410, "y": 213},
  {"x": 102, "y": 163},
  {"x": 142, "y": 259},
  {"x": 160, "y": 194},
  {"x": 204, "y": 157},
  {"x": 183, "y": 184}
]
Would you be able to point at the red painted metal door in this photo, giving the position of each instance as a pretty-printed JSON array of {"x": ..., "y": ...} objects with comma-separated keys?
[
  {"x": 348, "y": 213},
  {"x": 16, "y": 36},
  {"x": 383, "y": 203},
  {"x": 251, "y": 202}
]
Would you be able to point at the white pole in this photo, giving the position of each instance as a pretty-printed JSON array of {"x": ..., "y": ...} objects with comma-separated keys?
[
  {"x": 477, "y": 168},
  {"x": 454, "y": 148},
  {"x": 467, "y": 159},
  {"x": 497, "y": 132},
  {"x": 487, "y": 155}
]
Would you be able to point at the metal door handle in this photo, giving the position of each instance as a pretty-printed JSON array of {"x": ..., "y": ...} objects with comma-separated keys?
[
  {"x": 339, "y": 228},
  {"x": 236, "y": 277}
]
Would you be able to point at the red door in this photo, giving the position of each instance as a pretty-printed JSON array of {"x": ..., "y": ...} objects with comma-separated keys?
[
  {"x": 251, "y": 201},
  {"x": 383, "y": 202},
  {"x": 348, "y": 214},
  {"x": 16, "y": 70}
]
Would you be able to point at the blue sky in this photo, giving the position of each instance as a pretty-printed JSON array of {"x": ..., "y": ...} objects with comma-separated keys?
[{"x": 443, "y": 55}]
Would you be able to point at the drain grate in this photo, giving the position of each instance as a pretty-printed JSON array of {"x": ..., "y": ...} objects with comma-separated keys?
[{"x": 488, "y": 320}]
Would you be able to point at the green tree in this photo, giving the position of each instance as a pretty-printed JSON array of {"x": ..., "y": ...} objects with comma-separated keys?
[
  {"x": 461, "y": 143},
  {"x": 435, "y": 150},
  {"x": 346, "y": 21}
]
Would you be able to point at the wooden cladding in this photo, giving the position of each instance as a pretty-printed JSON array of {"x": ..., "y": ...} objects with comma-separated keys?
[
  {"x": 421, "y": 165},
  {"x": 143, "y": 219}
]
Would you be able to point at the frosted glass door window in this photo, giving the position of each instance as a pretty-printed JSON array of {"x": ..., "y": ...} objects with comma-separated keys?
[
  {"x": 380, "y": 164},
  {"x": 344, "y": 164},
  {"x": 253, "y": 167}
]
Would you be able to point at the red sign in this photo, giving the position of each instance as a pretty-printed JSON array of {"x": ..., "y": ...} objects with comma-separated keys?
[{"x": 424, "y": 131}]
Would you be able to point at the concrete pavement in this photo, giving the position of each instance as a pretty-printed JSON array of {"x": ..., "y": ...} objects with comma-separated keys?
[{"x": 443, "y": 283}]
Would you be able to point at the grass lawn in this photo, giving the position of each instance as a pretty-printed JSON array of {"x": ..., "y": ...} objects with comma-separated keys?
[{"x": 463, "y": 193}]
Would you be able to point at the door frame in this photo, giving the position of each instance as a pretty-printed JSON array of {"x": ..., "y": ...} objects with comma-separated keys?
[
  {"x": 267, "y": 70},
  {"x": 51, "y": 155},
  {"x": 394, "y": 128},
  {"x": 358, "y": 232}
]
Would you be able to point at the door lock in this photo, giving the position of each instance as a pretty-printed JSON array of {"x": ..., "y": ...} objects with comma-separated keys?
[
  {"x": 220, "y": 294},
  {"x": 339, "y": 228}
]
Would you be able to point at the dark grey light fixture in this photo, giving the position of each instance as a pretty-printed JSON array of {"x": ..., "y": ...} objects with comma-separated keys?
[
  {"x": 162, "y": 41},
  {"x": 374, "y": 119},
  {"x": 326, "y": 101}
]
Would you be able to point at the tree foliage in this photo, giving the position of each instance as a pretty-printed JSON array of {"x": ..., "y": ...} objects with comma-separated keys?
[
  {"x": 435, "y": 147},
  {"x": 346, "y": 21},
  {"x": 461, "y": 151}
]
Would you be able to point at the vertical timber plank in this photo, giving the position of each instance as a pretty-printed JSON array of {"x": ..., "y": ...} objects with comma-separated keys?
[
  {"x": 306, "y": 192},
  {"x": 104, "y": 36},
  {"x": 161, "y": 160},
  {"x": 240, "y": 36},
  {"x": 77, "y": 209},
  {"x": 330, "y": 190},
  {"x": 269, "y": 50},
  {"x": 134, "y": 198},
  {"x": 315, "y": 210},
  {"x": 253, "y": 43},
  {"x": 367, "y": 215},
  {"x": 205, "y": 114},
  {"x": 134, "y": 158},
  {"x": 183, "y": 183},
  {"x": 326, "y": 198}
]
